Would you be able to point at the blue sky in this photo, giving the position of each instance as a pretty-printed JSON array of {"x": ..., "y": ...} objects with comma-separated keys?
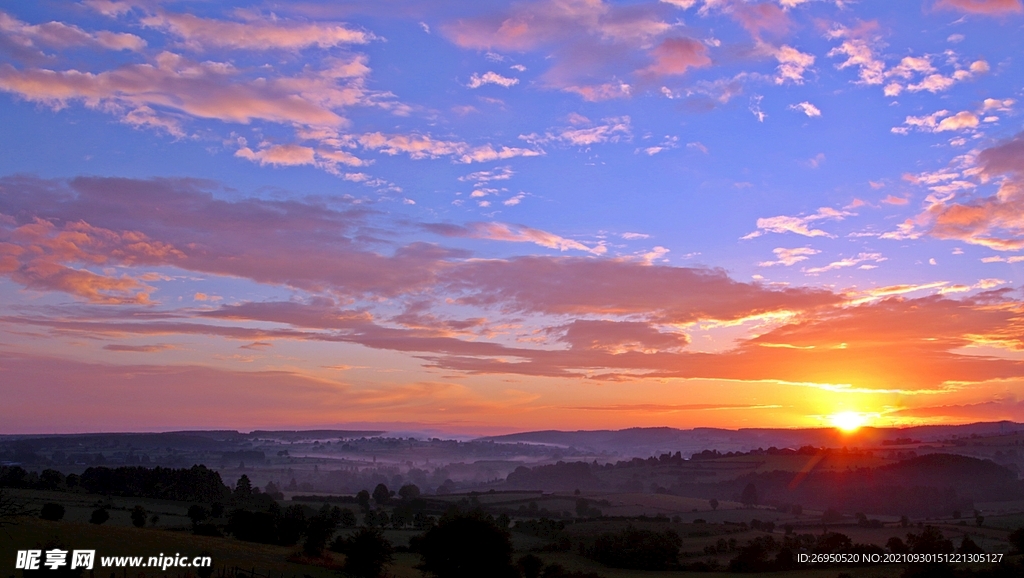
[{"x": 471, "y": 216}]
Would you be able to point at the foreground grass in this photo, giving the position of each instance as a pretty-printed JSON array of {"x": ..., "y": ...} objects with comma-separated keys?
[{"x": 274, "y": 561}]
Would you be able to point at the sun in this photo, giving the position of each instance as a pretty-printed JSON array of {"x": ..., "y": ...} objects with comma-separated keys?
[{"x": 848, "y": 421}]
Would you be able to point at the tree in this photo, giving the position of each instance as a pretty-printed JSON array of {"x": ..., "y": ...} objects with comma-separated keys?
[
  {"x": 292, "y": 525},
  {"x": 930, "y": 541},
  {"x": 638, "y": 549},
  {"x": 52, "y": 512},
  {"x": 348, "y": 518},
  {"x": 367, "y": 552},
  {"x": 99, "y": 515},
  {"x": 466, "y": 545},
  {"x": 1017, "y": 539},
  {"x": 968, "y": 546},
  {"x": 197, "y": 514},
  {"x": 713, "y": 503},
  {"x": 319, "y": 530},
  {"x": 409, "y": 492},
  {"x": 530, "y": 565},
  {"x": 138, "y": 516},
  {"x": 381, "y": 494},
  {"x": 749, "y": 496},
  {"x": 243, "y": 489},
  {"x": 363, "y": 498}
]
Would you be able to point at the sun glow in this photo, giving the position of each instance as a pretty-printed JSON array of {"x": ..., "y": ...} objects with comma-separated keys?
[{"x": 848, "y": 421}]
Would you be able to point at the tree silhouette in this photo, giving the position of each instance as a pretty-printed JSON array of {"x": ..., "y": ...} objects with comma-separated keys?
[
  {"x": 363, "y": 497},
  {"x": 367, "y": 552},
  {"x": 381, "y": 494},
  {"x": 713, "y": 503},
  {"x": 138, "y": 516},
  {"x": 409, "y": 492},
  {"x": 466, "y": 545},
  {"x": 749, "y": 496},
  {"x": 243, "y": 489},
  {"x": 530, "y": 566},
  {"x": 197, "y": 514},
  {"x": 319, "y": 530}
]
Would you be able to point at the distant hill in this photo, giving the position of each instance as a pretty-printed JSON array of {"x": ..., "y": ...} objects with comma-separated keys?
[{"x": 657, "y": 440}]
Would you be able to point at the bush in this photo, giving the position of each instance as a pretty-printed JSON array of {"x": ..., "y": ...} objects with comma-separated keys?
[
  {"x": 138, "y": 516},
  {"x": 99, "y": 516},
  {"x": 52, "y": 512}
]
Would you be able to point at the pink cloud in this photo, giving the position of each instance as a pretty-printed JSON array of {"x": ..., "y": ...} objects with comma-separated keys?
[
  {"x": 60, "y": 35},
  {"x": 986, "y": 7},
  {"x": 203, "y": 90},
  {"x": 279, "y": 155},
  {"x": 995, "y": 221},
  {"x": 513, "y": 233},
  {"x": 564, "y": 286},
  {"x": 764, "y": 17},
  {"x": 676, "y": 55},
  {"x": 179, "y": 223},
  {"x": 620, "y": 336},
  {"x": 257, "y": 34},
  {"x": 595, "y": 46}
]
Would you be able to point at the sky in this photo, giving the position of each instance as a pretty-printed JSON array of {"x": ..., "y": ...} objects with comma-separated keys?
[{"x": 489, "y": 217}]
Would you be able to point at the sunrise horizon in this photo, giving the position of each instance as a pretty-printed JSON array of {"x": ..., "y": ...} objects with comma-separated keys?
[{"x": 511, "y": 216}]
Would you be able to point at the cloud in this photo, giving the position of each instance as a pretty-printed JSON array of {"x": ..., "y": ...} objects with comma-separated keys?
[
  {"x": 419, "y": 146},
  {"x": 848, "y": 262},
  {"x": 62, "y": 36},
  {"x": 930, "y": 79},
  {"x": 789, "y": 257},
  {"x": 896, "y": 345},
  {"x": 583, "y": 132},
  {"x": 792, "y": 64},
  {"x": 995, "y": 221},
  {"x": 137, "y": 348},
  {"x": 806, "y": 108},
  {"x": 513, "y": 233},
  {"x": 983, "y": 7},
  {"x": 560, "y": 286},
  {"x": 593, "y": 47},
  {"x": 677, "y": 55},
  {"x": 893, "y": 200},
  {"x": 858, "y": 48},
  {"x": 109, "y": 222},
  {"x": 816, "y": 337},
  {"x": 798, "y": 225},
  {"x": 477, "y": 80},
  {"x": 939, "y": 121},
  {"x": 256, "y": 34},
  {"x": 619, "y": 336},
  {"x": 279, "y": 155},
  {"x": 207, "y": 90}
]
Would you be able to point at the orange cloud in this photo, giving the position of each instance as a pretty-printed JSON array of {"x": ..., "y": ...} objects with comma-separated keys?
[{"x": 996, "y": 221}]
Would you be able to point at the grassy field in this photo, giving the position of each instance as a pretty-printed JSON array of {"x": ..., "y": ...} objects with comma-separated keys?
[
  {"x": 171, "y": 534},
  {"x": 273, "y": 560}
]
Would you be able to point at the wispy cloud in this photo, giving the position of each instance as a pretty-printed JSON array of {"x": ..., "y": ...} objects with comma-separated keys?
[{"x": 799, "y": 225}]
